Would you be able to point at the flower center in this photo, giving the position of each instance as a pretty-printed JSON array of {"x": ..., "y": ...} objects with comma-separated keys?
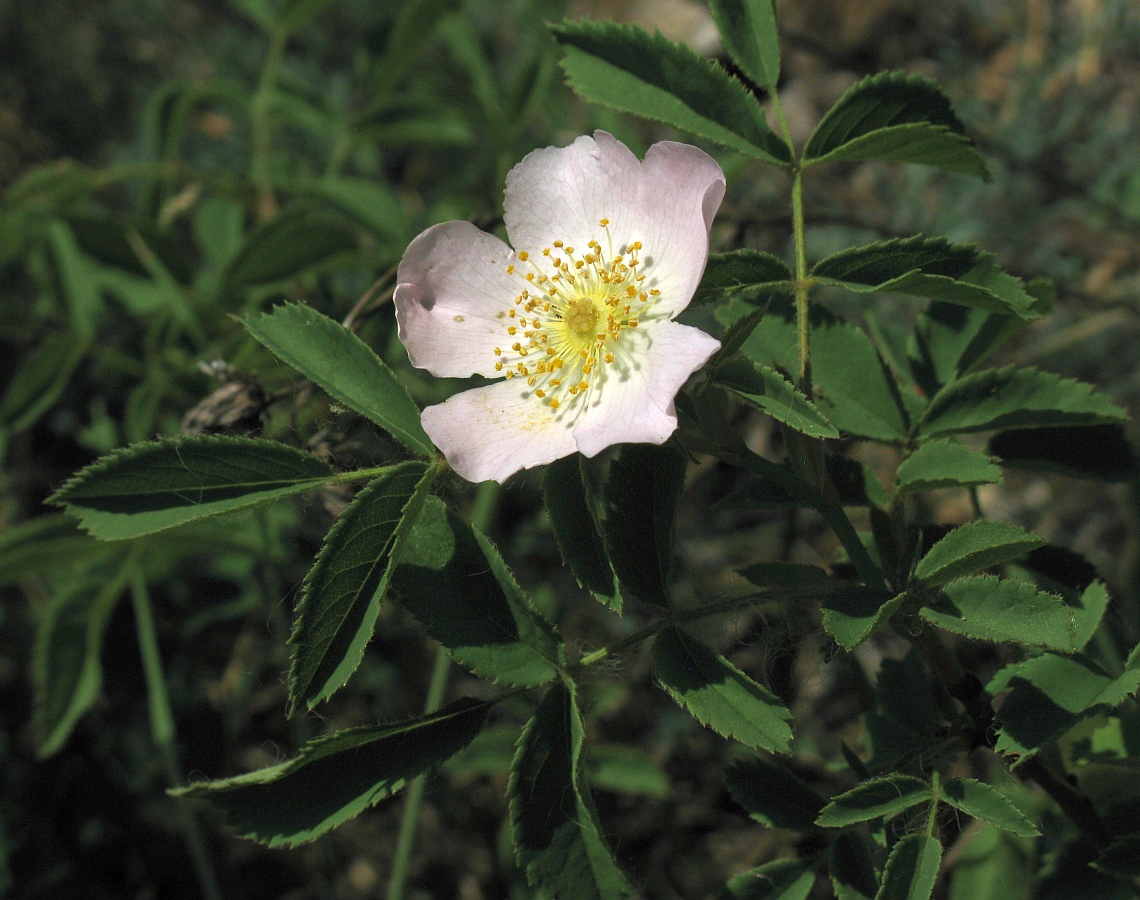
[{"x": 570, "y": 316}]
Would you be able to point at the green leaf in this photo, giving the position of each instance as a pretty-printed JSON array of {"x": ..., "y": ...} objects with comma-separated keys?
[
  {"x": 414, "y": 28},
  {"x": 558, "y": 841},
  {"x": 1016, "y": 398},
  {"x": 895, "y": 117},
  {"x": 335, "y": 359},
  {"x": 928, "y": 267},
  {"x": 641, "y": 493},
  {"x": 67, "y": 673},
  {"x": 297, "y": 239},
  {"x": 576, "y": 530},
  {"x": 782, "y": 879},
  {"x": 912, "y": 869},
  {"x": 1088, "y": 611},
  {"x": 990, "y": 609},
  {"x": 452, "y": 579},
  {"x": 786, "y": 575},
  {"x": 748, "y": 29},
  {"x": 992, "y": 865},
  {"x": 853, "y": 874},
  {"x": 371, "y": 203},
  {"x": 338, "y": 776},
  {"x": 852, "y": 612},
  {"x": 877, "y": 798},
  {"x": 1099, "y": 452},
  {"x": 772, "y": 393},
  {"x": 344, "y": 589},
  {"x": 854, "y": 389},
  {"x": 38, "y": 546},
  {"x": 622, "y": 769},
  {"x": 159, "y": 484},
  {"x": 945, "y": 463},
  {"x": 626, "y": 68},
  {"x": 773, "y": 796},
  {"x": 1121, "y": 858},
  {"x": 1050, "y": 694},
  {"x": 984, "y": 802},
  {"x": 971, "y": 548},
  {"x": 742, "y": 270},
  {"x": 40, "y": 379},
  {"x": 299, "y": 13},
  {"x": 718, "y": 694}
]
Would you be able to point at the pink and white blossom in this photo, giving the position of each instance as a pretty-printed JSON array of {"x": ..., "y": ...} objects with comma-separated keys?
[{"x": 577, "y": 320}]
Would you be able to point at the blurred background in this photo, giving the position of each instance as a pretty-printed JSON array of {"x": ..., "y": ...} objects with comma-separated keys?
[{"x": 167, "y": 164}]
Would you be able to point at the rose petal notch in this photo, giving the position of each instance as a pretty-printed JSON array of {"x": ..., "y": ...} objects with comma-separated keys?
[{"x": 576, "y": 322}]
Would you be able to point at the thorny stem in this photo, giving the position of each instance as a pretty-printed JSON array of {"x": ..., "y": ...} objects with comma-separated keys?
[
  {"x": 481, "y": 515},
  {"x": 163, "y": 731}
]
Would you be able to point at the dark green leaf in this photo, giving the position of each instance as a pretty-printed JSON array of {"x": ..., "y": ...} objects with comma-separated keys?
[
  {"x": 1048, "y": 695},
  {"x": 338, "y": 776},
  {"x": 641, "y": 493},
  {"x": 718, "y": 694},
  {"x": 40, "y": 379},
  {"x": 742, "y": 270},
  {"x": 622, "y": 769},
  {"x": 299, "y": 13},
  {"x": 37, "y": 547},
  {"x": 853, "y": 874},
  {"x": 992, "y": 865},
  {"x": 999, "y": 610},
  {"x": 452, "y": 579},
  {"x": 928, "y": 267},
  {"x": 1100, "y": 452},
  {"x": 878, "y": 798},
  {"x": 335, "y": 359},
  {"x": 748, "y": 29},
  {"x": 899, "y": 118},
  {"x": 558, "y": 841},
  {"x": 626, "y": 68},
  {"x": 1121, "y": 858},
  {"x": 773, "y": 796},
  {"x": 912, "y": 869},
  {"x": 771, "y": 392},
  {"x": 576, "y": 529},
  {"x": 370, "y": 202},
  {"x": 344, "y": 589},
  {"x": 945, "y": 463},
  {"x": 782, "y": 879},
  {"x": 786, "y": 575},
  {"x": 984, "y": 802},
  {"x": 1016, "y": 398},
  {"x": 971, "y": 548},
  {"x": 159, "y": 484},
  {"x": 852, "y": 612},
  {"x": 413, "y": 30},
  {"x": 295, "y": 240},
  {"x": 67, "y": 674}
]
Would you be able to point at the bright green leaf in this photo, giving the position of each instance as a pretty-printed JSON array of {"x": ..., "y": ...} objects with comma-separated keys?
[
  {"x": 335, "y": 359},
  {"x": 642, "y": 488},
  {"x": 782, "y": 879},
  {"x": 159, "y": 484},
  {"x": 558, "y": 841},
  {"x": 945, "y": 463},
  {"x": 576, "y": 530},
  {"x": 772, "y": 393},
  {"x": 912, "y": 869},
  {"x": 852, "y": 612},
  {"x": 774, "y": 796},
  {"x": 878, "y": 798},
  {"x": 1004, "y": 610},
  {"x": 984, "y": 802},
  {"x": 748, "y": 29},
  {"x": 338, "y": 776},
  {"x": 718, "y": 694},
  {"x": 1016, "y": 398},
  {"x": 452, "y": 579},
  {"x": 1099, "y": 452},
  {"x": 973, "y": 547},
  {"x": 344, "y": 589},
  {"x": 1050, "y": 694},
  {"x": 895, "y": 117},
  {"x": 742, "y": 270},
  {"x": 626, "y": 68}
]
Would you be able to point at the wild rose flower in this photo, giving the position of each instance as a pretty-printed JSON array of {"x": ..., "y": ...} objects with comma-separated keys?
[{"x": 577, "y": 321}]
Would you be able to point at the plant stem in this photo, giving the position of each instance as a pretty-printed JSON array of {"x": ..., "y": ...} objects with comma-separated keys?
[
  {"x": 803, "y": 285},
  {"x": 163, "y": 731},
  {"x": 261, "y": 124},
  {"x": 482, "y": 512}
]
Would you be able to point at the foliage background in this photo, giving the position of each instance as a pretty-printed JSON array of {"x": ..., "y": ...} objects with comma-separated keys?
[{"x": 1048, "y": 89}]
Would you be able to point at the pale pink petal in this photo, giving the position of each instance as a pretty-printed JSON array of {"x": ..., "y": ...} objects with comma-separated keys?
[
  {"x": 632, "y": 400},
  {"x": 489, "y": 433},
  {"x": 451, "y": 295}
]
